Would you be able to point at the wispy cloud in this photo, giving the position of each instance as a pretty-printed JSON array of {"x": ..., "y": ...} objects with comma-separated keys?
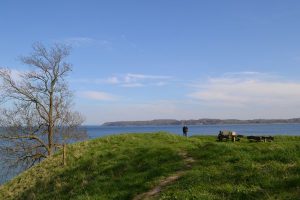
[
  {"x": 132, "y": 85},
  {"x": 248, "y": 90},
  {"x": 144, "y": 76},
  {"x": 98, "y": 95},
  {"x": 138, "y": 80},
  {"x": 129, "y": 80},
  {"x": 86, "y": 41},
  {"x": 250, "y": 75},
  {"x": 242, "y": 95},
  {"x": 244, "y": 74}
]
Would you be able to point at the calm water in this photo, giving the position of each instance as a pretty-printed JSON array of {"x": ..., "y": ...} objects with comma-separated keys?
[{"x": 248, "y": 129}]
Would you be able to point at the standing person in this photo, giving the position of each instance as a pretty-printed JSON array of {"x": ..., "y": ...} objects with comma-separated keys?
[{"x": 185, "y": 130}]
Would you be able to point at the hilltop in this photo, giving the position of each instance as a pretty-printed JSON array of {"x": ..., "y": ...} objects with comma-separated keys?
[
  {"x": 164, "y": 166},
  {"x": 158, "y": 122}
]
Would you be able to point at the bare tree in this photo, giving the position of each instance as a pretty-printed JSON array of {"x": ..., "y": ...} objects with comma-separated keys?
[{"x": 36, "y": 116}]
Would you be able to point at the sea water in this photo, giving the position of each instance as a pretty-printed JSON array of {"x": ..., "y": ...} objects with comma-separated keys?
[{"x": 243, "y": 129}]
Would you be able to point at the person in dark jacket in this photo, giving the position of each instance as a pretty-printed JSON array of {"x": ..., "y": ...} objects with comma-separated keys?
[{"x": 185, "y": 130}]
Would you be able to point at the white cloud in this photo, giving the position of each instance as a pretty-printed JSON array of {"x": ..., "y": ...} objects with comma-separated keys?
[
  {"x": 138, "y": 80},
  {"x": 248, "y": 90},
  {"x": 98, "y": 95},
  {"x": 243, "y": 95},
  {"x": 144, "y": 76},
  {"x": 128, "y": 80}
]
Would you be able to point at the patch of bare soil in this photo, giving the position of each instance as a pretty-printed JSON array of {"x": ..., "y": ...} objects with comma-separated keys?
[{"x": 167, "y": 181}]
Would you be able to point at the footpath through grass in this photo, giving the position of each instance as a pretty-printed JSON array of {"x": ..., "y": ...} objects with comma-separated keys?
[
  {"x": 241, "y": 170},
  {"x": 123, "y": 166}
]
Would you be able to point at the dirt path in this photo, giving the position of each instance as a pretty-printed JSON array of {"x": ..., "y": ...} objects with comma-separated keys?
[{"x": 170, "y": 179}]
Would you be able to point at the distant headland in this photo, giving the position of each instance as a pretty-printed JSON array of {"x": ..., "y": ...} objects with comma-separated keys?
[{"x": 159, "y": 122}]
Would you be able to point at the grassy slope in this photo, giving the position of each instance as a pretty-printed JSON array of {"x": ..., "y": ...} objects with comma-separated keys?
[
  {"x": 120, "y": 167},
  {"x": 241, "y": 171}
]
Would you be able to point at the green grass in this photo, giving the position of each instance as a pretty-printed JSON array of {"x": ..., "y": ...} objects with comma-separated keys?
[{"x": 122, "y": 166}]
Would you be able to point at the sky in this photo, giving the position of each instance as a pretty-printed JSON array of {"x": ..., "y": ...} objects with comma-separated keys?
[{"x": 166, "y": 59}]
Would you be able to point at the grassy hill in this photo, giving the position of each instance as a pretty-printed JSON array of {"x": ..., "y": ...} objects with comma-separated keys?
[{"x": 124, "y": 166}]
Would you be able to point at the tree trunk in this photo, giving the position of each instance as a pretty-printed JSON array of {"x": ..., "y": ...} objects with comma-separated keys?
[
  {"x": 50, "y": 127},
  {"x": 64, "y": 154}
]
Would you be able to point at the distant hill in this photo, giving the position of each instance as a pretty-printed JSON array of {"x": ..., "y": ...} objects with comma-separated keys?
[{"x": 158, "y": 122}]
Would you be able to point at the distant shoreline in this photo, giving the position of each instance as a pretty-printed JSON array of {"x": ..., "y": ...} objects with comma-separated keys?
[{"x": 167, "y": 122}]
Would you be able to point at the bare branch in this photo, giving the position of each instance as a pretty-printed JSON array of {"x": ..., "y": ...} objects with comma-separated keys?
[{"x": 37, "y": 116}]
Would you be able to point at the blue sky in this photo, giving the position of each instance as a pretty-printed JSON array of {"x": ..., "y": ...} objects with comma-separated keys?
[{"x": 140, "y": 60}]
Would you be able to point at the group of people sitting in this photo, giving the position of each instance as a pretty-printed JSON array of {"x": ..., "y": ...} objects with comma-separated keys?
[{"x": 233, "y": 136}]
